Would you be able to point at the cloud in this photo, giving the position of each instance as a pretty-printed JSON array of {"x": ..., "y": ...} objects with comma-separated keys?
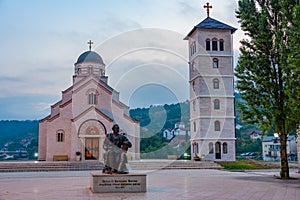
[{"x": 24, "y": 107}]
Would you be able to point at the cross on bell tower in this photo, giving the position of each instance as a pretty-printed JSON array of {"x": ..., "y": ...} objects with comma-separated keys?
[
  {"x": 90, "y": 44},
  {"x": 207, "y": 6}
]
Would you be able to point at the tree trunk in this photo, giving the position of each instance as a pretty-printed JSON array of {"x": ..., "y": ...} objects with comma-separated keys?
[{"x": 284, "y": 173}]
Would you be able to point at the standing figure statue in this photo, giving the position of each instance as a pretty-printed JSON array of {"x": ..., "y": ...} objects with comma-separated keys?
[{"x": 115, "y": 146}]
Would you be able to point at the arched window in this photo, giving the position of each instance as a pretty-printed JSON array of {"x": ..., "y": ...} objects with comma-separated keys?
[
  {"x": 211, "y": 147},
  {"x": 195, "y": 147},
  {"x": 216, "y": 104},
  {"x": 193, "y": 85},
  {"x": 207, "y": 44},
  {"x": 92, "y": 98},
  {"x": 217, "y": 126},
  {"x": 90, "y": 70},
  {"x": 193, "y": 66},
  {"x": 214, "y": 44},
  {"x": 194, "y": 106},
  {"x": 193, "y": 48},
  {"x": 216, "y": 83},
  {"x": 215, "y": 63},
  {"x": 225, "y": 148},
  {"x": 221, "y": 42},
  {"x": 195, "y": 127},
  {"x": 60, "y": 136}
]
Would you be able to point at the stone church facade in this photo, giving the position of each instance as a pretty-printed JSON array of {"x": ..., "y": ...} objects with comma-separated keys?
[
  {"x": 211, "y": 79},
  {"x": 86, "y": 112}
]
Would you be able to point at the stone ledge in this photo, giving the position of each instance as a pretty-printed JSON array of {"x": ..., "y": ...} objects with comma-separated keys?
[{"x": 113, "y": 183}]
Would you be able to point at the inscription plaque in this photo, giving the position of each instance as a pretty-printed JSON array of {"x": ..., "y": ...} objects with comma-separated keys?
[{"x": 106, "y": 183}]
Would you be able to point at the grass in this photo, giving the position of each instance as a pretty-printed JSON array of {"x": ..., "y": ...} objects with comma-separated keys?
[{"x": 248, "y": 164}]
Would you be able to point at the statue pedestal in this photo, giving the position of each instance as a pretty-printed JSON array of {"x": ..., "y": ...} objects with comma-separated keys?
[{"x": 111, "y": 183}]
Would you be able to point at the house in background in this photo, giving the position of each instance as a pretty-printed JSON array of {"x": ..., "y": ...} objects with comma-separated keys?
[
  {"x": 255, "y": 135},
  {"x": 178, "y": 130},
  {"x": 271, "y": 148}
]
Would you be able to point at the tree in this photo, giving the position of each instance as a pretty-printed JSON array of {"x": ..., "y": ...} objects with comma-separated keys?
[{"x": 265, "y": 75}]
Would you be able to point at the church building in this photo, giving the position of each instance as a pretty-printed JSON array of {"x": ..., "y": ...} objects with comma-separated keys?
[
  {"x": 211, "y": 79},
  {"x": 86, "y": 112}
]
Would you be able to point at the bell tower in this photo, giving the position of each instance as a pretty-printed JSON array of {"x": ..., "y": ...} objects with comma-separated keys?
[{"x": 211, "y": 78}]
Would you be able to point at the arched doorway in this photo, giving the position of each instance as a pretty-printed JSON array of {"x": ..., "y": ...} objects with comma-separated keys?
[
  {"x": 218, "y": 150},
  {"x": 92, "y": 133}
]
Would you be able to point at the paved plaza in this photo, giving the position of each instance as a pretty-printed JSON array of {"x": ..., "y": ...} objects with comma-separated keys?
[{"x": 161, "y": 184}]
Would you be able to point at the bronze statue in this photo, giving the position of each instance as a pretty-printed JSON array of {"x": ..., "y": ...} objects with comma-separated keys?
[{"x": 116, "y": 146}]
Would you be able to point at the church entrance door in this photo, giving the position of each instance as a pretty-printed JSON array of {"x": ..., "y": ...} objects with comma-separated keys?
[
  {"x": 218, "y": 150},
  {"x": 91, "y": 148}
]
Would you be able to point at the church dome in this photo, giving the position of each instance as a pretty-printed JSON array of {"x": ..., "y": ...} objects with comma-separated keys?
[{"x": 90, "y": 56}]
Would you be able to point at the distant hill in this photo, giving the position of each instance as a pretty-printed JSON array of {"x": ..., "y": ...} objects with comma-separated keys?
[
  {"x": 13, "y": 130},
  {"x": 162, "y": 116}
]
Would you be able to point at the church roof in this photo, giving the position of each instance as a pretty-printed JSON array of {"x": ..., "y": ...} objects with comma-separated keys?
[
  {"x": 107, "y": 113},
  {"x": 210, "y": 23},
  {"x": 90, "y": 56}
]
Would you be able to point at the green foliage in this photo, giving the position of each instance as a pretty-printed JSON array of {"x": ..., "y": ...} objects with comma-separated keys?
[
  {"x": 32, "y": 149},
  {"x": 154, "y": 120},
  {"x": 262, "y": 71},
  {"x": 247, "y": 164},
  {"x": 168, "y": 115},
  {"x": 267, "y": 78},
  {"x": 15, "y": 131},
  {"x": 245, "y": 144}
]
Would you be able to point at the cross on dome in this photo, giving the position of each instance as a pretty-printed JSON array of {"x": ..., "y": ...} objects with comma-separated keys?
[
  {"x": 207, "y": 6},
  {"x": 90, "y": 44}
]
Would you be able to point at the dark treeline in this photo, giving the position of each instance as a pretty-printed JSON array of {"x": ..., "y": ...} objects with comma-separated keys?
[{"x": 14, "y": 130}]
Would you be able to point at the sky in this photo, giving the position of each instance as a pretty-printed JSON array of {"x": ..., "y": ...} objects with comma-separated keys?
[{"x": 140, "y": 41}]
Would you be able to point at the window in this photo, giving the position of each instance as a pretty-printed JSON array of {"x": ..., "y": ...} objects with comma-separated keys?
[
  {"x": 216, "y": 83},
  {"x": 207, "y": 44},
  {"x": 216, "y": 104},
  {"x": 60, "y": 136},
  {"x": 193, "y": 66},
  {"x": 92, "y": 98},
  {"x": 221, "y": 42},
  {"x": 193, "y": 85},
  {"x": 195, "y": 147},
  {"x": 214, "y": 44},
  {"x": 90, "y": 70},
  {"x": 195, "y": 128},
  {"x": 193, "y": 48},
  {"x": 194, "y": 106},
  {"x": 225, "y": 149},
  {"x": 211, "y": 147},
  {"x": 215, "y": 63},
  {"x": 217, "y": 126}
]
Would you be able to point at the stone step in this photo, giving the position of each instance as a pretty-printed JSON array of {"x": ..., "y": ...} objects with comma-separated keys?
[
  {"x": 49, "y": 166},
  {"x": 96, "y": 165},
  {"x": 155, "y": 164}
]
